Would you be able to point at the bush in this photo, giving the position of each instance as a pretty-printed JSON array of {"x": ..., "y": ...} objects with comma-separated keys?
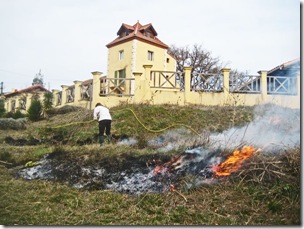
[
  {"x": 18, "y": 114},
  {"x": 65, "y": 109},
  {"x": 14, "y": 124},
  {"x": 35, "y": 110}
]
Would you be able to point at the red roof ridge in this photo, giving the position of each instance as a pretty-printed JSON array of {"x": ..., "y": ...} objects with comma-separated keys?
[{"x": 284, "y": 65}]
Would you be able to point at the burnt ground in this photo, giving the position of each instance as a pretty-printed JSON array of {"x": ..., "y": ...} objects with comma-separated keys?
[{"x": 126, "y": 173}]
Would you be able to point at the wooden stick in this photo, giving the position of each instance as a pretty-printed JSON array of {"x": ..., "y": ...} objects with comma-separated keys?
[{"x": 7, "y": 163}]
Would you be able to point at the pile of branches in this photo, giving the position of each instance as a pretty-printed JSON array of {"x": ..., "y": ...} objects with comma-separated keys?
[{"x": 267, "y": 169}]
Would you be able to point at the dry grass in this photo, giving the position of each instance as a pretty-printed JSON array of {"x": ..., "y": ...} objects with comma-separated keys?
[{"x": 265, "y": 192}]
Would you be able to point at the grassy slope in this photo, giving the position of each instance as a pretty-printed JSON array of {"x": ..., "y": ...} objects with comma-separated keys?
[{"x": 256, "y": 196}]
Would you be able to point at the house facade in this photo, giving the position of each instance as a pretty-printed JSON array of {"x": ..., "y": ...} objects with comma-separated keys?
[{"x": 21, "y": 99}]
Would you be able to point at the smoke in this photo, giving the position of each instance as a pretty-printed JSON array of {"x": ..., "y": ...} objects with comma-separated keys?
[
  {"x": 273, "y": 128},
  {"x": 175, "y": 139}
]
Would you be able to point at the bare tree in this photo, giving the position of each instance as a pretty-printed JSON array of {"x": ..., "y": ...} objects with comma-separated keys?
[{"x": 199, "y": 59}]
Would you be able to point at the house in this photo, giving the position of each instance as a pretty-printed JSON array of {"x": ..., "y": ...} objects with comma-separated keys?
[
  {"x": 134, "y": 47},
  {"x": 21, "y": 99},
  {"x": 283, "y": 78},
  {"x": 288, "y": 69}
]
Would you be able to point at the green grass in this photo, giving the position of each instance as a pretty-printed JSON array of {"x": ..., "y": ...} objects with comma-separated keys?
[{"x": 242, "y": 199}]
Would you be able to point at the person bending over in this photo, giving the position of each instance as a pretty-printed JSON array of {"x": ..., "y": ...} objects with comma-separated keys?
[{"x": 102, "y": 114}]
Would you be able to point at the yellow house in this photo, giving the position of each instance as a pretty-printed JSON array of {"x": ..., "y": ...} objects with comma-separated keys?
[{"x": 134, "y": 47}]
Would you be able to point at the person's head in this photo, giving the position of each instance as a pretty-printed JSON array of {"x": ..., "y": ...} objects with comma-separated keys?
[{"x": 98, "y": 104}]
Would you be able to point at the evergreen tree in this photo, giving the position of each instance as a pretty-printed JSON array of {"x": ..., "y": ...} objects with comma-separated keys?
[
  {"x": 47, "y": 103},
  {"x": 35, "y": 110}
]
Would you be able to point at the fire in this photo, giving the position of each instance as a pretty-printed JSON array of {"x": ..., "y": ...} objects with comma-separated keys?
[
  {"x": 166, "y": 167},
  {"x": 233, "y": 162}
]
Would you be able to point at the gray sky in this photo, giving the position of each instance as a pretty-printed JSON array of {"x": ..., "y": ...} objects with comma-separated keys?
[{"x": 66, "y": 38}]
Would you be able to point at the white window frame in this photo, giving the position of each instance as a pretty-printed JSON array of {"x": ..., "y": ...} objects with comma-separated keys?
[
  {"x": 150, "y": 55},
  {"x": 121, "y": 54}
]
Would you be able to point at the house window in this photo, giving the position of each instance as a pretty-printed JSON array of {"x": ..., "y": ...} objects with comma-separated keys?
[
  {"x": 120, "y": 76},
  {"x": 150, "y": 55},
  {"x": 168, "y": 60},
  {"x": 121, "y": 55}
]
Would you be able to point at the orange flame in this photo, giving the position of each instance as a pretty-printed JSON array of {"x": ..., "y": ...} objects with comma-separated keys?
[
  {"x": 166, "y": 167},
  {"x": 233, "y": 162}
]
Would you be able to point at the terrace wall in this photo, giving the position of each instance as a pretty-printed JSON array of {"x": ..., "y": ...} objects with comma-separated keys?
[{"x": 160, "y": 88}]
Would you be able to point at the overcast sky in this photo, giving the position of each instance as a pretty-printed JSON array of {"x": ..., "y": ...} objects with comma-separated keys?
[{"x": 66, "y": 38}]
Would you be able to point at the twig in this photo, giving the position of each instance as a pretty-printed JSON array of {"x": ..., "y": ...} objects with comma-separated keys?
[
  {"x": 6, "y": 163},
  {"x": 180, "y": 194}
]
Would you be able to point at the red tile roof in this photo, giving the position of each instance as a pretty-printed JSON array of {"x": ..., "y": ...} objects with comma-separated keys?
[
  {"x": 137, "y": 32},
  {"x": 33, "y": 89}
]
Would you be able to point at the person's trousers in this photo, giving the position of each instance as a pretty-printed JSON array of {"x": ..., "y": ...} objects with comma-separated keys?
[{"x": 105, "y": 126}]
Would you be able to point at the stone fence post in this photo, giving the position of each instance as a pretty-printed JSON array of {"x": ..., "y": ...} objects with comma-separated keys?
[
  {"x": 145, "y": 90},
  {"x": 64, "y": 95},
  {"x": 226, "y": 76},
  {"x": 187, "y": 83},
  {"x": 55, "y": 97},
  {"x": 263, "y": 81},
  {"x": 77, "y": 95},
  {"x": 137, "y": 90},
  {"x": 95, "y": 87}
]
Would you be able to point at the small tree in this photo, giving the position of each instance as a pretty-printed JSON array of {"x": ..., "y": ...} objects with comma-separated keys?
[
  {"x": 35, "y": 110},
  {"x": 47, "y": 103}
]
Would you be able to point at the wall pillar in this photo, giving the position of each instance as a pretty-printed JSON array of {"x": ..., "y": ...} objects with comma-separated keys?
[
  {"x": 77, "y": 95},
  {"x": 55, "y": 97},
  {"x": 17, "y": 104},
  {"x": 64, "y": 95},
  {"x": 96, "y": 88},
  {"x": 145, "y": 90},
  {"x": 187, "y": 83},
  {"x": 263, "y": 81},
  {"x": 137, "y": 90},
  {"x": 226, "y": 77},
  {"x": 28, "y": 101},
  {"x": 7, "y": 104}
]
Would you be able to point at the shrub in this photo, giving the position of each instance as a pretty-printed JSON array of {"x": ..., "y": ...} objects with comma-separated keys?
[
  {"x": 14, "y": 124},
  {"x": 35, "y": 110},
  {"x": 17, "y": 115}
]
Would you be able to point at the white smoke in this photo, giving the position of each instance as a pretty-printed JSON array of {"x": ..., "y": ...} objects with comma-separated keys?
[{"x": 273, "y": 128}]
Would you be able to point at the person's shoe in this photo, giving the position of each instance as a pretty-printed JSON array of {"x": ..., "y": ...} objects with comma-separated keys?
[
  {"x": 101, "y": 140},
  {"x": 109, "y": 138}
]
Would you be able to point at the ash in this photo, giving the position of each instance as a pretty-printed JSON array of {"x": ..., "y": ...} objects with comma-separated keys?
[{"x": 196, "y": 162}]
